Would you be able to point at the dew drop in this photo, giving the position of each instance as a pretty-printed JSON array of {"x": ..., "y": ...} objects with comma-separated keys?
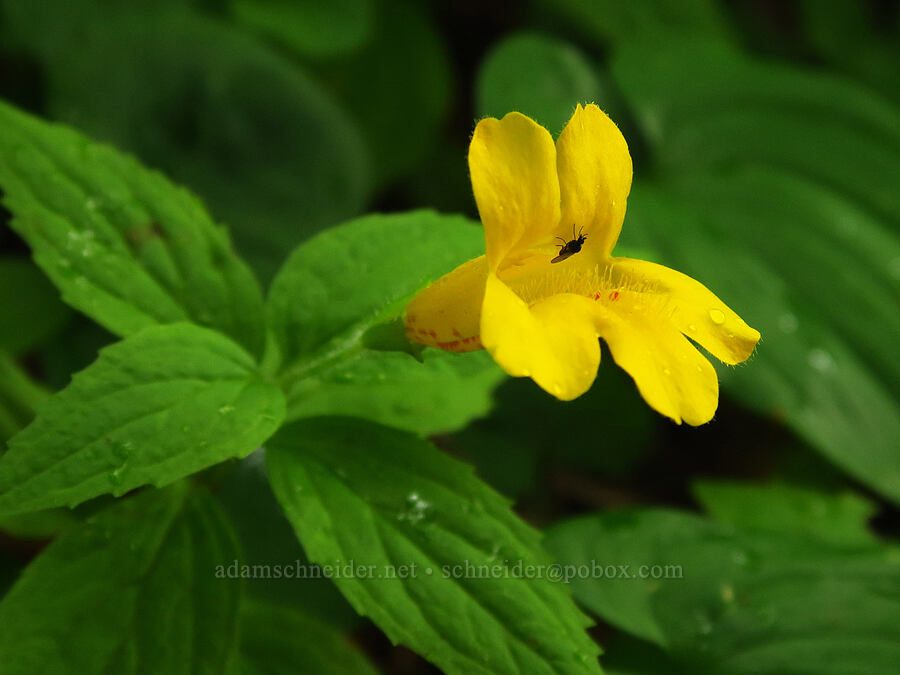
[
  {"x": 417, "y": 509},
  {"x": 666, "y": 371},
  {"x": 716, "y": 316},
  {"x": 788, "y": 323},
  {"x": 820, "y": 360},
  {"x": 225, "y": 409},
  {"x": 692, "y": 328}
]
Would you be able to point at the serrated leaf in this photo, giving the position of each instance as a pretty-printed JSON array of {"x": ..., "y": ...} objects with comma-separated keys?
[
  {"x": 342, "y": 282},
  {"x": 277, "y": 640},
  {"x": 122, "y": 244},
  {"x": 245, "y": 127},
  {"x": 745, "y": 602},
  {"x": 158, "y": 406},
  {"x": 338, "y": 286},
  {"x": 839, "y": 518},
  {"x": 539, "y": 76},
  {"x": 441, "y": 393},
  {"x": 267, "y": 538},
  {"x": 132, "y": 590},
  {"x": 371, "y": 496}
]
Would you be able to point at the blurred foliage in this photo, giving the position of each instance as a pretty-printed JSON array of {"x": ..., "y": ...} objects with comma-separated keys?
[{"x": 766, "y": 144}]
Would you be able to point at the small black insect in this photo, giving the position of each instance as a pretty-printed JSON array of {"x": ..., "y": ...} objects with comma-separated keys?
[{"x": 569, "y": 248}]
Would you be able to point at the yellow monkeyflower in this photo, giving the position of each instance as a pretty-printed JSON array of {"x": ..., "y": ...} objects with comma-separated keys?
[{"x": 548, "y": 286}]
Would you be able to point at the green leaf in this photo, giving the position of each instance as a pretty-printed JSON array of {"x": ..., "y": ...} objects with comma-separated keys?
[
  {"x": 315, "y": 29},
  {"x": 539, "y": 76},
  {"x": 744, "y": 602},
  {"x": 38, "y": 525},
  {"x": 398, "y": 88},
  {"x": 31, "y": 312},
  {"x": 132, "y": 590},
  {"x": 162, "y": 404},
  {"x": 853, "y": 38},
  {"x": 19, "y": 397},
  {"x": 245, "y": 127},
  {"x": 123, "y": 245},
  {"x": 442, "y": 393},
  {"x": 335, "y": 288},
  {"x": 610, "y": 21},
  {"x": 789, "y": 265},
  {"x": 279, "y": 640},
  {"x": 267, "y": 538},
  {"x": 775, "y": 188},
  {"x": 783, "y": 508},
  {"x": 381, "y": 499},
  {"x": 704, "y": 106}
]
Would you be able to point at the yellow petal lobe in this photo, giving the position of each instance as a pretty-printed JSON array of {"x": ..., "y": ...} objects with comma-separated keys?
[
  {"x": 512, "y": 163},
  {"x": 692, "y": 308},
  {"x": 595, "y": 172},
  {"x": 554, "y": 342},
  {"x": 447, "y": 314},
  {"x": 673, "y": 377}
]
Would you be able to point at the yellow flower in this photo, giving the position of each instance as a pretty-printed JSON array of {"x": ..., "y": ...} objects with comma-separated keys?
[{"x": 541, "y": 317}]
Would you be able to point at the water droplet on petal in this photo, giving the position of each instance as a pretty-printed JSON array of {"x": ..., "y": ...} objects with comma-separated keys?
[
  {"x": 666, "y": 371},
  {"x": 692, "y": 328},
  {"x": 717, "y": 316}
]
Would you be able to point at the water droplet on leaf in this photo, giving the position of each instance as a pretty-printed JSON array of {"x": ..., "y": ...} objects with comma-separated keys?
[{"x": 820, "y": 360}]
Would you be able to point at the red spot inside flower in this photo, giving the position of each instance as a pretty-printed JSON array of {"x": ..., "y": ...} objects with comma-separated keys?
[
  {"x": 614, "y": 296},
  {"x": 596, "y": 296},
  {"x": 463, "y": 344},
  {"x": 410, "y": 318},
  {"x": 456, "y": 333}
]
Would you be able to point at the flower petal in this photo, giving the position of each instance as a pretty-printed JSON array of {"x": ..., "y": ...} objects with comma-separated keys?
[
  {"x": 673, "y": 377},
  {"x": 554, "y": 342},
  {"x": 595, "y": 177},
  {"x": 692, "y": 308},
  {"x": 513, "y": 167},
  {"x": 447, "y": 314}
]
